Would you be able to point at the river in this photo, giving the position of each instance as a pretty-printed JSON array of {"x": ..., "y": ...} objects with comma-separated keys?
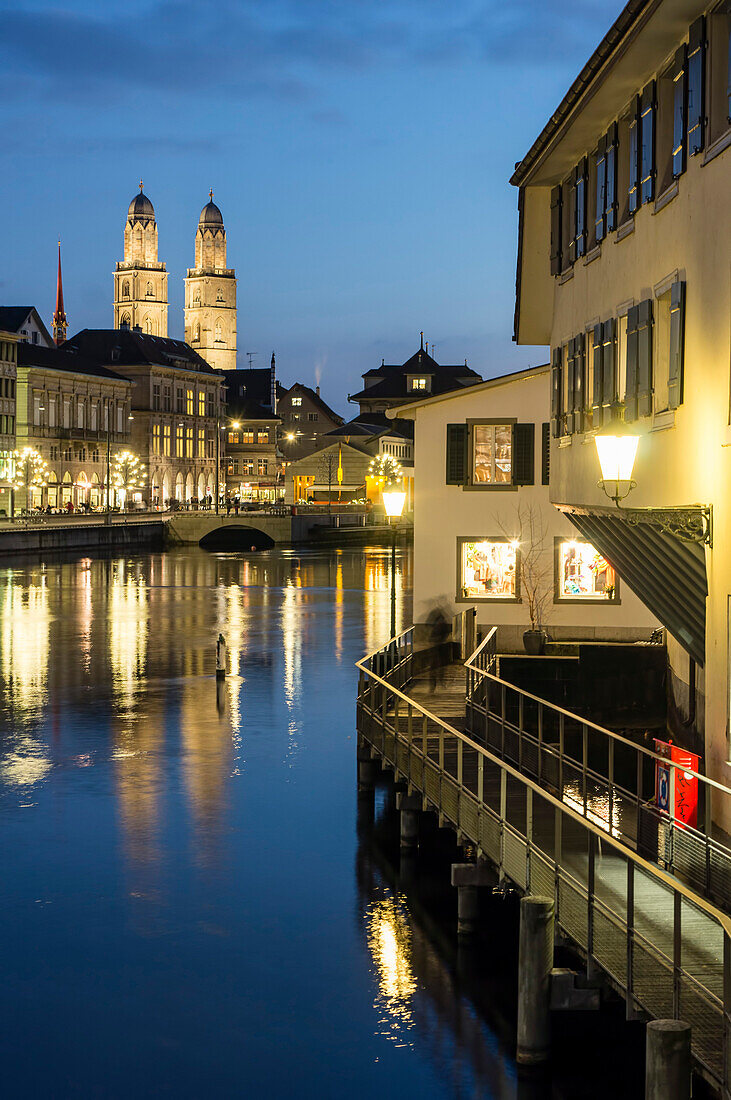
[{"x": 189, "y": 906}]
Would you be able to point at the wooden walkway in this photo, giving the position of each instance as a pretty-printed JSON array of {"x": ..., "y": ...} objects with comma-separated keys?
[{"x": 663, "y": 947}]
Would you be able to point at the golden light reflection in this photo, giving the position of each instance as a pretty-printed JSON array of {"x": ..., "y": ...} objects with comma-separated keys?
[
  {"x": 26, "y": 765},
  {"x": 25, "y": 633},
  {"x": 389, "y": 941},
  {"x": 292, "y": 629},
  {"x": 597, "y": 808},
  {"x": 128, "y": 627},
  {"x": 339, "y": 608}
]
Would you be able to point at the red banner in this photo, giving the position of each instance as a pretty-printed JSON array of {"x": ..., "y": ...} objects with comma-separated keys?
[{"x": 676, "y": 787}]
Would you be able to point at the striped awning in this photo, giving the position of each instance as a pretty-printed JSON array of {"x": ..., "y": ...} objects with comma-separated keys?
[{"x": 667, "y": 572}]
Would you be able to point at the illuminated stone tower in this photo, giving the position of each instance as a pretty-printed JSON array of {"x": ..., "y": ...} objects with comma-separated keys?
[
  {"x": 210, "y": 294},
  {"x": 140, "y": 281}
]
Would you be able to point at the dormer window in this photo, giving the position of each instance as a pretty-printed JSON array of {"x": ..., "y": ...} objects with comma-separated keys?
[
  {"x": 296, "y": 401},
  {"x": 419, "y": 383}
]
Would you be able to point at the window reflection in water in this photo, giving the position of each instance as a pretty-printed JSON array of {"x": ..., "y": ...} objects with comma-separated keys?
[{"x": 389, "y": 942}]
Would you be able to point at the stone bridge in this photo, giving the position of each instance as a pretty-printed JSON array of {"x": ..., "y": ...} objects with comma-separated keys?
[{"x": 259, "y": 529}]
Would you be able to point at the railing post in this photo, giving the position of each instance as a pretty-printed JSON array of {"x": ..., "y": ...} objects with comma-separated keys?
[
  {"x": 502, "y": 719},
  {"x": 611, "y": 784},
  {"x": 540, "y": 741},
  {"x": 708, "y": 821},
  {"x": 528, "y": 835},
  {"x": 631, "y": 1014},
  {"x": 560, "y": 755},
  {"x": 521, "y": 713},
  {"x": 590, "y": 891},
  {"x": 460, "y": 762},
  {"x": 503, "y": 812},
  {"x": 677, "y": 951},
  {"x": 584, "y": 762},
  {"x": 480, "y": 778}
]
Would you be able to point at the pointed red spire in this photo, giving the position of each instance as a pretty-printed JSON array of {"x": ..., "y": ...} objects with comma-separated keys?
[{"x": 60, "y": 324}]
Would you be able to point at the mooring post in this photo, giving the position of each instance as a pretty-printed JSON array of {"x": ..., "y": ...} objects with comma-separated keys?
[
  {"x": 668, "y": 1063},
  {"x": 368, "y": 769},
  {"x": 535, "y": 960},
  {"x": 468, "y": 878},
  {"x": 221, "y": 658},
  {"x": 409, "y": 806}
]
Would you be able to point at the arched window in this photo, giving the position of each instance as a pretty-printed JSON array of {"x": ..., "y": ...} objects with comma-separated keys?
[
  {"x": 125, "y": 319},
  {"x": 218, "y": 330},
  {"x": 219, "y": 296},
  {"x": 196, "y": 298},
  {"x": 149, "y": 291},
  {"x": 148, "y": 325},
  {"x": 125, "y": 289},
  {"x": 197, "y": 332}
]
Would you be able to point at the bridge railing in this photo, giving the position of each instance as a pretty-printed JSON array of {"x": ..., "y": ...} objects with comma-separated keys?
[
  {"x": 608, "y": 777},
  {"x": 659, "y": 942}
]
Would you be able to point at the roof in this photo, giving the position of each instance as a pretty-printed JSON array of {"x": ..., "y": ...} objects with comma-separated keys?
[
  {"x": 63, "y": 359},
  {"x": 299, "y": 387},
  {"x": 480, "y": 387},
  {"x": 211, "y": 215},
  {"x": 137, "y": 349},
  {"x": 390, "y": 380},
  {"x": 367, "y": 426},
  {"x": 12, "y": 319},
  {"x": 255, "y": 382},
  {"x": 141, "y": 209}
]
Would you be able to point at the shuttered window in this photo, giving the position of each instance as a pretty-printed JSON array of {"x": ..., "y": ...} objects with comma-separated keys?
[
  {"x": 609, "y": 366},
  {"x": 677, "y": 345},
  {"x": 644, "y": 358},
  {"x": 597, "y": 408},
  {"x": 647, "y": 143},
  {"x": 630, "y": 397},
  {"x": 610, "y": 192},
  {"x": 456, "y": 454},
  {"x": 600, "y": 225},
  {"x": 580, "y": 185},
  {"x": 556, "y": 392},
  {"x": 524, "y": 454},
  {"x": 634, "y": 156},
  {"x": 556, "y": 230},
  {"x": 680, "y": 110},
  {"x": 696, "y": 85},
  {"x": 545, "y": 453}
]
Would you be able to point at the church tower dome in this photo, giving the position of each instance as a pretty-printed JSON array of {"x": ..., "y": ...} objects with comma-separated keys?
[
  {"x": 210, "y": 293},
  {"x": 140, "y": 280}
]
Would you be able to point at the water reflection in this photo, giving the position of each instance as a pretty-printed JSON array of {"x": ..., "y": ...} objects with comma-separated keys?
[{"x": 389, "y": 942}]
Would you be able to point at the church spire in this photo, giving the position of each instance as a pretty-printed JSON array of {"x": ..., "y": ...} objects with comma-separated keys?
[{"x": 60, "y": 324}]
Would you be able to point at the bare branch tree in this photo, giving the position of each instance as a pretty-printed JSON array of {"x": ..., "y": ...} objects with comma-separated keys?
[{"x": 534, "y": 562}]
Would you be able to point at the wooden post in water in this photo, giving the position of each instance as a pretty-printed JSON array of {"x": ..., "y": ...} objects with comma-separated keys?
[
  {"x": 535, "y": 961},
  {"x": 667, "y": 1065}
]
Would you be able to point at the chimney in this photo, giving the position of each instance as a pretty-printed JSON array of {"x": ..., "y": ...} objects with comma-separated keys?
[
  {"x": 124, "y": 326},
  {"x": 317, "y": 390}
]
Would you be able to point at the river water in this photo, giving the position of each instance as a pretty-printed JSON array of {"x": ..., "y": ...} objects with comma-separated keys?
[{"x": 189, "y": 906}]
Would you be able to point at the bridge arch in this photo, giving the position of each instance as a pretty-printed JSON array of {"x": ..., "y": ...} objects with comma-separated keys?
[{"x": 236, "y": 537}]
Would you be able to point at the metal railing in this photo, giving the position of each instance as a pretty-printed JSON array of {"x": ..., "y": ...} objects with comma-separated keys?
[
  {"x": 662, "y": 945},
  {"x": 609, "y": 778}
]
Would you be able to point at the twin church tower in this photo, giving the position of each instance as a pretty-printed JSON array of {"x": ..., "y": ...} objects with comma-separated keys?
[{"x": 141, "y": 284}]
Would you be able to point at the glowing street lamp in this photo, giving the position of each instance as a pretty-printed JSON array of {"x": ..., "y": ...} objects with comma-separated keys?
[
  {"x": 387, "y": 473},
  {"x": 617, "y": 454}
]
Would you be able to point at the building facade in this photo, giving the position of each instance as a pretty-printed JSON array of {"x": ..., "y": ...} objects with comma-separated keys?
[
  {"x": 26, "y": 323},
  {"x": 8, "y": 383},
  {"x": 482, "y": 463},
  {"x": 140, "y": 279},
  {"x": 253, "y": 463},
  {"x": 74, "y": 413},
  {"x": 177, "y": 408},
  {"x": 625, "y": 223},
  {"x": 210, "y": 294},
  {"x": 306, "y": 418},
  {"x": 388, "y": 386}
]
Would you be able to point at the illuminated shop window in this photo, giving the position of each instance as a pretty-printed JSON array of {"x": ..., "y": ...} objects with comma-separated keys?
[
  {"x": 583, "y": 574},
  {"x": 488, "y": 570},
  {"x": 492, "y": 454}
]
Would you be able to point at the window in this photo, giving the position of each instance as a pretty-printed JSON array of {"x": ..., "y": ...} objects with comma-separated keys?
[
  {"x": 189, "y": 443},
  {"x": 248, "y": 466},
  {"x": 696, "y": 85},
  {"x": 719, "y": 89},
  {"x": 201, "y": 443},
  {"x": 638, "y": 397},
  {"x": 196, "y": 333},
  {"x": 80, "y": 414},
  {"x": 66, "y": 411},
  {"x": 313, "y": 416},
  {"x": 210, "y": 405},
  {"x": 156, "y": 395},
  {"x": 52, "y": 412},
  {"x": 125, "y": 292},
  {"x": 166, "y": 440},
  {"x": 148, "y": 325},
  {"x": 262, "y": 467},
  {"x": 634, "y": 157},
  {"x": 156, "y": 439},
  {"x": 179, "y": 440},
  {"x": 248, "y": 435},
  {"x": 487, "y": 569},
  {"x": 492, "y": 453},
  {"x": 296, "y": 402},
  {"x": 120, "y": 419},
  {"x": 263, "y": 437},
  {"x": 680, "y": 110},
  {"x": 189, "y": 397},
  {"x": 582, "y": 573},
  {"x": 647, "y": 143},
  {"x": 167, "y": 402},
  {"x": 219, "y": 338},
  {"x": 669, "y": 340},
  {"x": 234, "y": 437},
  {"x": 604, "y": 373},
  {"x": 149, "y": 292},
  {"x": 94, "y": 416},
  {"x": 418, "y": 383},
  {"x": 201, "y": 402},
  {"x": 578, "y": 243}
]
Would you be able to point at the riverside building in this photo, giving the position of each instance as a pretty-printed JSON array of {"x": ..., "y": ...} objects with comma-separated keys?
[
  {"x": 623, "y": 268},
  {"x": 8, "y": 382}
]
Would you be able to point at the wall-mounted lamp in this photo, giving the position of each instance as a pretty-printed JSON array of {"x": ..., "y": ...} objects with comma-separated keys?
[{"x": 617, "y": 459}]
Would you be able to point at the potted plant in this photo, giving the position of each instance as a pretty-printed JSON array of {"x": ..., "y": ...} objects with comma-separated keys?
[{"x": 534, "y": 569}]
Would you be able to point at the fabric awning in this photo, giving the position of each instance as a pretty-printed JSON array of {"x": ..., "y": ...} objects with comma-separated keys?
[{"x": 667, "y": 572}]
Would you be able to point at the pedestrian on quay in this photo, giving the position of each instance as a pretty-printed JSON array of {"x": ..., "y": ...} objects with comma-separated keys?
[
  {"x": 438, "y": 633},
  {"x": 228, "y": 506}
]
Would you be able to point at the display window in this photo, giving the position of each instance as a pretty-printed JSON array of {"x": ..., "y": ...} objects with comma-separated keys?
[
  {"x": 492, "y": 454},
  {"x": 583, "y": 574},
  {"x": 488, "y": 569}
]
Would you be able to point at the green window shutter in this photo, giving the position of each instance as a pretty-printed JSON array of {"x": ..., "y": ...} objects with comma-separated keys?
[
  {"x": 696, "y": 85},
  {"x": 570, "y": 387},
  {"x": 598, "y": 395},
  {"x": 630, "y": 397},
  {"x": 456, "y": 454},
  {"x": 609, "y": 361},
  {"x": 545, "y": 453},
  {"x": 556, "y": 392},
  {"x": 579, "y": 382},
  {"x": 634, "y": 155},
  {"x": 680, "y": 109},
  {"x": 677, "y": 345},
  {"x": 524, "y": 454},
  {"x": 556, "y": 229},
  {"x": 644, "y": 358}
]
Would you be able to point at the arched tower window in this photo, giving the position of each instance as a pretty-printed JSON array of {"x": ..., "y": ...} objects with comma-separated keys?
[
  {"x": 197, "y": 332},
  {"x": 218, "y": 330},
  {"x": 149, "y": 291},
  {"x": 147, "y": 325},
  {"x": 196, "y": 298},
  {"x": 219, "y": 296},
  {"x": 125, "y": 289},
  {"x": 125, "y": 319}
]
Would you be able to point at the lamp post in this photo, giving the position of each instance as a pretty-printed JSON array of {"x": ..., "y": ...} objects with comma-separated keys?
[
  {"x": 617, "y": 454},
  {"x": 393, "y": 501},
  {"x": 235, "y": 424}
]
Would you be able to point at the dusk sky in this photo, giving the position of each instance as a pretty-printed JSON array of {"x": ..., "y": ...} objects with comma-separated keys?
[{"x": 360, "y": 152}]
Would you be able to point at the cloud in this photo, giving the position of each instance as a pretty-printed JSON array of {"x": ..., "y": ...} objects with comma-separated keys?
[{"x": 281, "y": 48}]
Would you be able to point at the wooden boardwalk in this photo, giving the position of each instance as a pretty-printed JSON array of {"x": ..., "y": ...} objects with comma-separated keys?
[{"x": 665, "y": 948}]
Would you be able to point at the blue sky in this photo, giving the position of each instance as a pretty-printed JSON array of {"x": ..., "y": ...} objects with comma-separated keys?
[{"x": 359, "y": 150}]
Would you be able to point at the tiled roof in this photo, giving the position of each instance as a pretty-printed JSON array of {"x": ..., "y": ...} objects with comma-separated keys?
[
  {"x": 137, "y": 349},
  {"x": 64, "y": 359}
]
